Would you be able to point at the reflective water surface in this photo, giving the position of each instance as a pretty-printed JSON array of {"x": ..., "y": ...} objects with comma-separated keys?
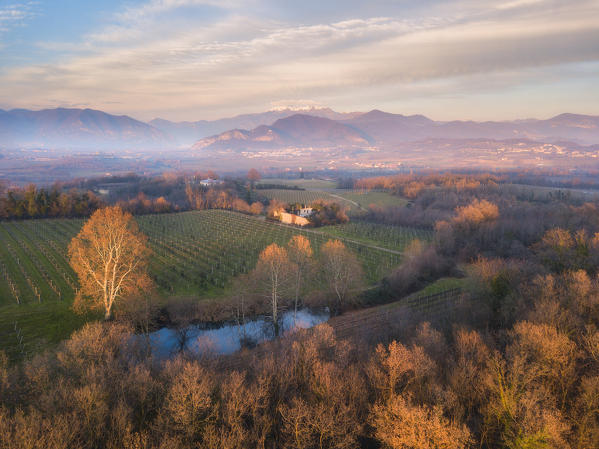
[{"x": 229, "y": 337}]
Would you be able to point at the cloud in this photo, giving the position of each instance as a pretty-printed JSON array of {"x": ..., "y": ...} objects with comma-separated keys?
[
  {"x": 15, "y": 15},
  {"x": 161, "y": 58}
]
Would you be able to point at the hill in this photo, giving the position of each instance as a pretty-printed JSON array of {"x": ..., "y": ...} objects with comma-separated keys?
[
  {"x": 75, "y": 129},
  {"x": 188, "y": 132},
  {"x": 298, "y": 130},
  {"x": 390, "y": 129}
]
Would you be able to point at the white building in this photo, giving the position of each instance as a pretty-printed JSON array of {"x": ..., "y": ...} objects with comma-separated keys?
[
  {"x": 305, "y": 212},
  {"x": 211, "y": 182}
]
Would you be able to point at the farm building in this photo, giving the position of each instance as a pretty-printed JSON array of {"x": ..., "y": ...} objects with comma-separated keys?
[
  {"x": 288, "y": 218},
  {"x": 304, "y": 212},
  {"x": 210, "y": 182}
]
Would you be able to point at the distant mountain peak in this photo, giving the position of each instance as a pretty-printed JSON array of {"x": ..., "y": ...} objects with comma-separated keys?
[{"x": 297, "y": 130}]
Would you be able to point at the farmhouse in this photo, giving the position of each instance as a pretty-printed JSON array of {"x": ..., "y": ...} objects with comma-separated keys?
[
  {"x": 288, "y": 218},
  {"x": 210, "y": 182},
  {"x": 304, "y": 212}
]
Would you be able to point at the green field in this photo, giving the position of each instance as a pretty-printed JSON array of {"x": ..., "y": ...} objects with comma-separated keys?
[{"x": 194, "y": 253}]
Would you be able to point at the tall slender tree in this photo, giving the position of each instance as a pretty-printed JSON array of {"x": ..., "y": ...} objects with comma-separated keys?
[
  {"x": 341, "y": 270},
  {"x": 272, "y": 275},
  {"x": 300, "y": 254}
]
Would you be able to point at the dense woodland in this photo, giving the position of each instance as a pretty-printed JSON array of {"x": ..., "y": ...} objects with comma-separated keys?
[{"x": 515, "y": 364}]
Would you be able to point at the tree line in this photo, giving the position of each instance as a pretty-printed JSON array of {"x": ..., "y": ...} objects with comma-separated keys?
[{"x": 33, "y": 202}]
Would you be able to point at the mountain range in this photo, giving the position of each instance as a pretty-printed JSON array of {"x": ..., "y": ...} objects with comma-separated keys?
[
  {"x": 76, "y": 129},
  {"x": 186, "y": 133},
  {"x": 318, "y": 127},
  {"x": 385, "y": 130}
]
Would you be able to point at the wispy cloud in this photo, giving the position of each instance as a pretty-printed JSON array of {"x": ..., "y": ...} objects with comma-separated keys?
[
  {"x": 160, "y": 58},
  {"x": 15, "y": 15}
]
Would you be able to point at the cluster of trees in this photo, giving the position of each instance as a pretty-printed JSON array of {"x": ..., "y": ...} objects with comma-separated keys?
[
  {"x": 411, "y": 186},
  {"x": 141, "y": 204},
  {"x": 31, "y": 202},
  {"x": 284, "y": 276},
  {"x": 200, "y": 198},
  {"x": 328, "y": 213},
  {"x": 170, "y": 192}
]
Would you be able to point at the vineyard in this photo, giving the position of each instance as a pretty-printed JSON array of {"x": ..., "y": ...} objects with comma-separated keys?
[
  {"x": 386, "y": 236},
  {"x": 308, "y": 184},
  {"x": 303, "y": 196},
  {"x": 365, "y": 198},
  {"x": 357, "y": 201},
  {"x": 194, "y": 253},
  {"x": 362, "y": 323}
]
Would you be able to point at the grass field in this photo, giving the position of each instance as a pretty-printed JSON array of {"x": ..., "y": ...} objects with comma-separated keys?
[{"x": 194, "y": 253}]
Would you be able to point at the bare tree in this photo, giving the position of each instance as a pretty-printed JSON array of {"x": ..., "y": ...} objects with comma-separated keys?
[
  {"x": 300, "y": 254},
  {"x": 253, "y": 175},
  {"x": 341, "y": 270},
  {"x": 110, "y": 256},
  {"x": 272, "y": 275}
]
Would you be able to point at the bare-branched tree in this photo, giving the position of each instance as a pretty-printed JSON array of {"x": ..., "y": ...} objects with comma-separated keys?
[
  {"x": 110, "y": 256},
  {"x": 272, "y": 277},
  {"x": 341, "y": 270},
  {"x": 300, "y": 254}
]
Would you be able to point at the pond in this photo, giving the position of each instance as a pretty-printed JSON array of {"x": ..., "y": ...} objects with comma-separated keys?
[{"x": 229, "y": 337}]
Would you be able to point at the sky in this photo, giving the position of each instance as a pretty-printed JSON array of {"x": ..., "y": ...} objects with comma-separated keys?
[{"x": 207, "y": 59}]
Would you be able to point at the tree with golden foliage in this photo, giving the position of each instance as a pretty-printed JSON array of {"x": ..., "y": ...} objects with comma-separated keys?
[
  {"x": 341, "y": 270},
  {"x": 300, "y": 254},
  {"x": 110, "y": 256},
  {"x": 479, "y": 211},
  {"x": 272, "y": 276}
]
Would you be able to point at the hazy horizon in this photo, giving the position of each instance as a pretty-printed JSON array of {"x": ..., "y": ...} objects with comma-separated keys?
[
  {"x": 306, "y": 111},
  {"x": 203, "y": 59}
]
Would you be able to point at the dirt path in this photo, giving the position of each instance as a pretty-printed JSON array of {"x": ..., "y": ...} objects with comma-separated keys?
[{"x": 348, "y": 200}]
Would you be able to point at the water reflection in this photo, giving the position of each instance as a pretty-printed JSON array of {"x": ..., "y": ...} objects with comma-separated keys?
[{"x": 229, "y": 337}]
